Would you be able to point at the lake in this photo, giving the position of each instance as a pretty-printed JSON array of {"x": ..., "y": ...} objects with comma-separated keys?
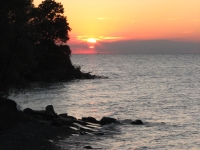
[{"x": 161, "y": 90}]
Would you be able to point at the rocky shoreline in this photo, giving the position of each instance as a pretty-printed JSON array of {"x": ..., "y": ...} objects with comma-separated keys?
[{"x": 41, "y": 129}]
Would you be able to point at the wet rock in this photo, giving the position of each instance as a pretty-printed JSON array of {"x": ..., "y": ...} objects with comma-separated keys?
[
  {"x": 137, "y": 122},
  {"x": 107, "y": 120},
  {"x": 90, "y": 119}
]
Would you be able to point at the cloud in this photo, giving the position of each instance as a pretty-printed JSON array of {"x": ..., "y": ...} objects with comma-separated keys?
[
  {"x": 138, "y": 46},
  {"x": 149, "y": 46},
  {"x": 110, "y": 37},
  {"x": 99, "y": 38},
  {"x": 83, "y": 38}
]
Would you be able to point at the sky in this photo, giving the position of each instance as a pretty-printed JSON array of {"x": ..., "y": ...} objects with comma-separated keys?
[{"x": 133, "y": 26}]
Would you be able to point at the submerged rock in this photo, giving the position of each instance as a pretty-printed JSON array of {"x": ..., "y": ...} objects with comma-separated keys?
[
  {"x": 137, "y": 122},
  {"x": 107, "y": 120}
]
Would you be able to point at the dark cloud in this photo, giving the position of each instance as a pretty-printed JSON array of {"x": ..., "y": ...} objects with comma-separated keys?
[
  {"x": 144, "y": 46},
  {"x": 149, "y": 46}
]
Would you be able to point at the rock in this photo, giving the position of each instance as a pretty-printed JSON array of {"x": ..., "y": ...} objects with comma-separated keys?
[
  {"x": 8, "y": 103},
  {"x": 50, "y": 110},
  {"x": 9, "y": 115},
  {"x": 71, "y": 117},
  {"x": 56, "y": 122},
  {"x": 28, "y": 111},
  {"x": 87, "y": 147},
  {"x": 107, "y": 120},
  {"x": 63, "y": 115},
  {"x": 50, "y": 113},
  {"x": 65, "y": 121},
  {"x": 90, "y": 147},
  {"x": 137, "y": 122},
  {"x": 39, "y": 113},
  {"x": 90, "y": 119}
]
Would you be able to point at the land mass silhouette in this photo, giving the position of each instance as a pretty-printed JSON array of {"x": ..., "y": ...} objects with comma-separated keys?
[{"x": 33, "y": 45}]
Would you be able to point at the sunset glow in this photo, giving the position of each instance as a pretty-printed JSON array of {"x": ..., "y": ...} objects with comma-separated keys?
[
  {"x": 91, "y": 40},
  {"x": 91, "y": 46},
  {"x": 132, "y": 20}
]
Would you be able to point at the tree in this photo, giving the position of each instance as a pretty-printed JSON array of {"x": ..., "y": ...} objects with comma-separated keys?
[
  {"x": 50, "y": 23},
  {"x": 33, "y": 44},
  {"x": 14, "y": 16}
]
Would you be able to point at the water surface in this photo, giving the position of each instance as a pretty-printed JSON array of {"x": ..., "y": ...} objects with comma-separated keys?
[{"x": 161, "y": 90}]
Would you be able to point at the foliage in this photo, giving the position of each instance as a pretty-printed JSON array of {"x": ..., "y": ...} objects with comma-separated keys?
[
  {"x": 49, "y": 23},
  {"x": 33, "y": 43}
]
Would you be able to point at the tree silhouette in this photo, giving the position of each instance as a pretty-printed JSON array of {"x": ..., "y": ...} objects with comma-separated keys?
[
  {"x": 50, "y": 23},
  {"x": 14, "y": 16},
  {"x": 33, "y": 44}
]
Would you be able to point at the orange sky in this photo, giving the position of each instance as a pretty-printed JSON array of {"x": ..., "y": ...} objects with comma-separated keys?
[{"x": 108, "y": 20}]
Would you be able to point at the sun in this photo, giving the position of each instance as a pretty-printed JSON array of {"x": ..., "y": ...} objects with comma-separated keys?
[{"x": 91, "y": 40}]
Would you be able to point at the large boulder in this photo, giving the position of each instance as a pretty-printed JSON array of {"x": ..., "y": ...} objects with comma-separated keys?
[
  {"x": 107, "y": 120},
  {"x": 9, "y": 115},
  {"x": 8, "y": 104},
  {"x": 28, "y": 111}
]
